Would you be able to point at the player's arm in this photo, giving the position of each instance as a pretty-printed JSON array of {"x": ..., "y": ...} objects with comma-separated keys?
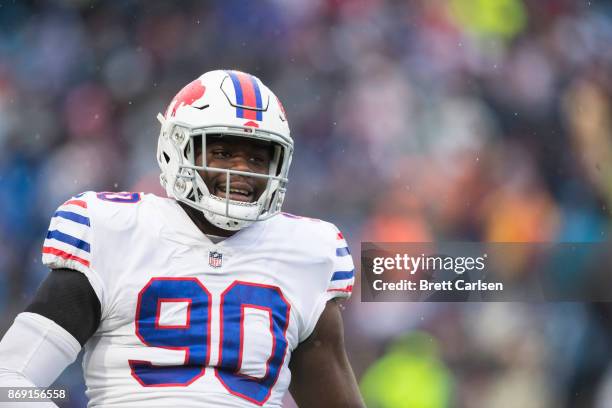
[
  {"x": 48, "y": 336},
  {"x": 320, "y": 363}
]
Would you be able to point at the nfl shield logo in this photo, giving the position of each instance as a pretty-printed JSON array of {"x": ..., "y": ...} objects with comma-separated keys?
[{"x": 215, "y": 259}]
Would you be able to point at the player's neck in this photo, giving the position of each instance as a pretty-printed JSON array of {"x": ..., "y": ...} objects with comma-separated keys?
[{"x": 203, "y": 224}]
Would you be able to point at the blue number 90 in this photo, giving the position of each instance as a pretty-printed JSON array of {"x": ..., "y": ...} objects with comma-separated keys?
[{"x": 194, "y": 336}]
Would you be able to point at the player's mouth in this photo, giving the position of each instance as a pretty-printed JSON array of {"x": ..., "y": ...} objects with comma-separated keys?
[{"x": 238, "y": 191}]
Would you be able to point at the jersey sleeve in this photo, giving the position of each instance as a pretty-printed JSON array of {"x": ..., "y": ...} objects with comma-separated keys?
[
  {"x": 342, "y": 278},
  {"x": 69, "y": 242},
  {"x": 336, "y": 281}
]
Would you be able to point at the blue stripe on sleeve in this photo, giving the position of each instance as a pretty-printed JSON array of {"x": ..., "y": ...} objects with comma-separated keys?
[
  {"x": 69, "y": 215},
  {"x": 340, "y": 275},
  {"x": 69, "y": 239},
  {"x": 342, "y": 251}
]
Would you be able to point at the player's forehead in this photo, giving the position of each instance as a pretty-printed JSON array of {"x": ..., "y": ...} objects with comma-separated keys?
[{"x": 216, "y": 140}]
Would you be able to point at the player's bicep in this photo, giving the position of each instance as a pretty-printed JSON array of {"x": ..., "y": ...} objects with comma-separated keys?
[
  {"x": 320, "y": 362},
  {"x": 67, "y": 298}
]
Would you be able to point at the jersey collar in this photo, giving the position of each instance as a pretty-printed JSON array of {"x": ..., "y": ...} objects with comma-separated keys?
[{"x": 179, "y": 228}]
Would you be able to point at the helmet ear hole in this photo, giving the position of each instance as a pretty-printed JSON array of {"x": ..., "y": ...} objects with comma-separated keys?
[{"x": 166, "y": 157}]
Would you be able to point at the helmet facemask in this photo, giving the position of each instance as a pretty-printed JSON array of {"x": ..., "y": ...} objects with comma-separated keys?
[{"x": 180, "y": 173}]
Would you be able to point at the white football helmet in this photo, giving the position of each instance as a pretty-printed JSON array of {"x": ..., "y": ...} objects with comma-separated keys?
[{"x": 223, "y": 103}]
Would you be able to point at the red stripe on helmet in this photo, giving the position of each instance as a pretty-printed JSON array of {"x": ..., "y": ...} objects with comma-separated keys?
[{"x": 248, "y": 95}]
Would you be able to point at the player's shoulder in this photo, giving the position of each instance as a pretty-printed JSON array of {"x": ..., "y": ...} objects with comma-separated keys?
[
  {"x": 115, "y": 210},
  {"x": 306, "y": 229}
]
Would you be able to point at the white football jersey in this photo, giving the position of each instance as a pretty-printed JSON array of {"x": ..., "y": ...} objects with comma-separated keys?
[{"x": 186, "y": 322}]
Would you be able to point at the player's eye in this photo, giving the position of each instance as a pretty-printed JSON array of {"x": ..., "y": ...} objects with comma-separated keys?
[
  {"x": 258, "y": 160},
  {"x": 221, "y": 154}
]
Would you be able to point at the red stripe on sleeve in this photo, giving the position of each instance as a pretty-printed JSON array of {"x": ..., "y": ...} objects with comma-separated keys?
[
  {"x": 347, "y": 289},
  {"x": 65, "y": 255},
  {"x": 340, "y": 236},
  {"x": 80, "y": 203},
  {"x": 248, "y": 95}
]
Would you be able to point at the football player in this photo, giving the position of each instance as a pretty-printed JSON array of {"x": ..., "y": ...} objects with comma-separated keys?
[{"x": 209, "y": 298}]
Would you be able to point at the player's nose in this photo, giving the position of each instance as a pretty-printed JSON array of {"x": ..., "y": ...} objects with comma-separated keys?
[{"x": 240, "y": 162}]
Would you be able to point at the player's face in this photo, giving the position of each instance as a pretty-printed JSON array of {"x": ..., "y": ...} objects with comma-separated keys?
[{"x": 236, "y": 154}]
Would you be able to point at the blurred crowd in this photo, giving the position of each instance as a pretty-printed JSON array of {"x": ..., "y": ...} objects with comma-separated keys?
[{"x": 477, "y": 120}]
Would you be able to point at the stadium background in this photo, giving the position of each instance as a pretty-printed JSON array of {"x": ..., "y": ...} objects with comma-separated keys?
[{"x": 413, "y": 121}]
